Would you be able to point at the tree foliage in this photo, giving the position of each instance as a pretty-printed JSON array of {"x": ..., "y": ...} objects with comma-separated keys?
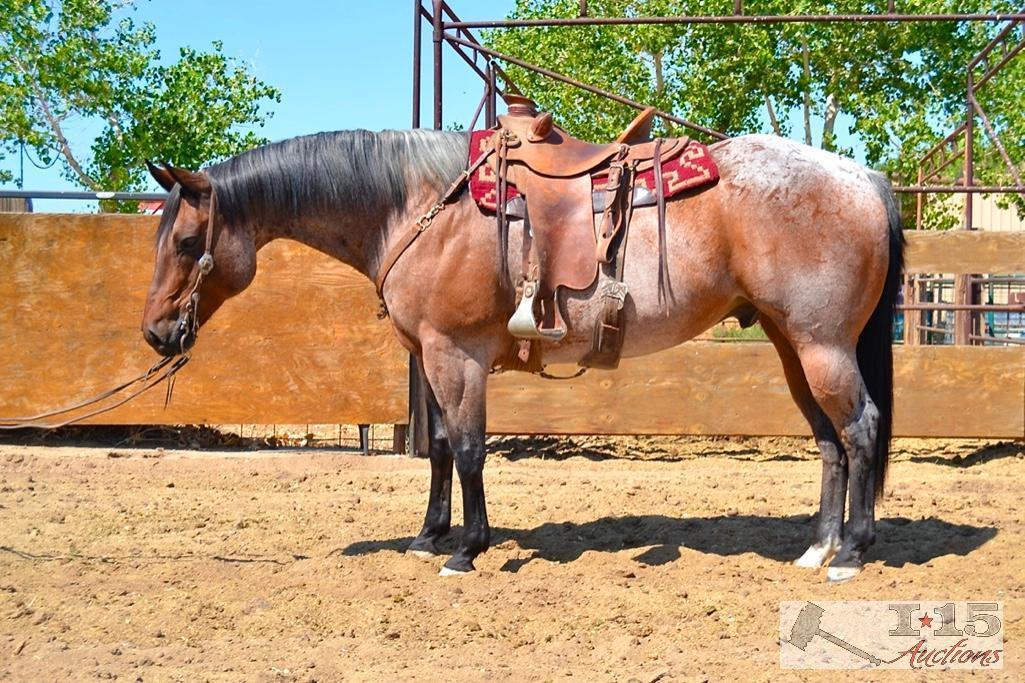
[
  {"x": 899, "y": 88},
  {"x": 86, "y": 64}
]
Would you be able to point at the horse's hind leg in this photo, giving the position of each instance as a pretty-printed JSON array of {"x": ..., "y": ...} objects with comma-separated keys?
[
  {"x": 837, "y": 385},
  {"x": 438, "y": 518},
  {"x": 829, "y": 529}
]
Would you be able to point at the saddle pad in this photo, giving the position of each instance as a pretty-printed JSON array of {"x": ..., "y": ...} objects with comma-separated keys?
[{"x": 693, "y": 168}]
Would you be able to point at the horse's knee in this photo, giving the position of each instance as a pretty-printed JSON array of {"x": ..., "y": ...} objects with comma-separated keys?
[{"x": 834, "y": 381}]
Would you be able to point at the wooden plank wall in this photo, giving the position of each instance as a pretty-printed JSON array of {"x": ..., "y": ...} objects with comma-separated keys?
[
  {"x": 303, "y": 344},
  {"x": 963, "y": 251},
  {"x": 720, "y": 388}
]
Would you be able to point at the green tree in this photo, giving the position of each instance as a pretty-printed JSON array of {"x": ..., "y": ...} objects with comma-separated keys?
[
  {"x": 900, "y": 88},
  {"x": 88, "y": 62}
]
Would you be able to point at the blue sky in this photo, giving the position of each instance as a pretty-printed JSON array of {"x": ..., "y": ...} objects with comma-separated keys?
[{"x": 339, "y": 65}]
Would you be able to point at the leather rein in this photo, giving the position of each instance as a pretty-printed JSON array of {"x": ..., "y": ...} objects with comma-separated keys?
[{"x": 164, "y": 369}]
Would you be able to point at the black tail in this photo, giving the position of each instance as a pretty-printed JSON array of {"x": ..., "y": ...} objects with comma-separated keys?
[{"x": 875, "y": 345}]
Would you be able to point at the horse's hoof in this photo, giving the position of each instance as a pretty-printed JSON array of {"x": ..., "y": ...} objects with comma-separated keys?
[
  {"x": 423, "y": 546},
  {"x": 422, "y": 554},
  {"x": 447, "y": 571},
  {"x": 815, "y": 557},
  {"x": 842, "y": 574}
]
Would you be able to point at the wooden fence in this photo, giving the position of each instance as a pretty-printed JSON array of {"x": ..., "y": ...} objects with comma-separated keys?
[{"x": 303, "y": 345}]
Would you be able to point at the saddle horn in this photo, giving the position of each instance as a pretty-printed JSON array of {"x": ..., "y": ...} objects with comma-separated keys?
[{"x": 540, "y": 128}]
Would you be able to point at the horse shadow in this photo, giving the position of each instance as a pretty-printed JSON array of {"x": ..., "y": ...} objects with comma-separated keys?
[
  {"x": 659, "y": 538},
  {"x": 558, "y": 448},
  {"x": 982, "y": 456}
]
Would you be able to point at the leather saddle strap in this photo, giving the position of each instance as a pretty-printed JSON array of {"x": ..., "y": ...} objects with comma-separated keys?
[
  {"x": 664, "y": 286},
  {"x": 425, "y": 221},
  {"x": 609, "y": 331},
  {"x": 612, "y": 214},
  {"x": 619, "y": 255},
  {"x": 501, "y": 194},
  {"x": 529, "y": 270}
]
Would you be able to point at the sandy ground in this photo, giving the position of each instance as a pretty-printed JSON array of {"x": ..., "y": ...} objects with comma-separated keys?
[{"x": 613, "y": 559}]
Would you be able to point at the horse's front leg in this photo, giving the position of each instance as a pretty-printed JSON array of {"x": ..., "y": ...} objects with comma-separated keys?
[
  {"x": 459, "y": 382},
  {"x": 438, "y": 519}
]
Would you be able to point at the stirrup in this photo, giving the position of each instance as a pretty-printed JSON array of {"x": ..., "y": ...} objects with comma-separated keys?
[{"x": 524, "y": 325}]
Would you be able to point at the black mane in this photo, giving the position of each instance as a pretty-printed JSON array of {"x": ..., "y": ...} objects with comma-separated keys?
[{"x": 357, "y": 172}]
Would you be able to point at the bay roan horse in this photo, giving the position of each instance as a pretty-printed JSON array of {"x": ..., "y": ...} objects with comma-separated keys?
[{"x": 808, "y": 241}]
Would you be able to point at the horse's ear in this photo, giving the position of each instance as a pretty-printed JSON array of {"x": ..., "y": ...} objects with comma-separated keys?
[
  {"x": 161, "y": 175},
  {"x": 194, "y": 183}
]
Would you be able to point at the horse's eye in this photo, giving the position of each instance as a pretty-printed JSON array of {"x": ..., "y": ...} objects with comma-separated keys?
[{"x": 188, "y": 244}]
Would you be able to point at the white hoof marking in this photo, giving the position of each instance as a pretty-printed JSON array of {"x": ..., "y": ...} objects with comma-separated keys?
[
  {"x": 816, "y": 556},
  {"x": 422, "y": 554},
  {"x": 445, "y": 571},
  {"x": 842, "y": 574}
]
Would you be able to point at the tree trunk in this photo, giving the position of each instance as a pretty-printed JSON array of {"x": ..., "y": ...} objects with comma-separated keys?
[
  {"x": 660, "y": 83},
  {"x": 806, "y": 59},
  {"x": 828, "y": 141},
  {"x": 772, "y": 114}
]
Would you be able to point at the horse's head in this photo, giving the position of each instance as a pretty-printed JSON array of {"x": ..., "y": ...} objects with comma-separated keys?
[{"x": 190, "y": 226}]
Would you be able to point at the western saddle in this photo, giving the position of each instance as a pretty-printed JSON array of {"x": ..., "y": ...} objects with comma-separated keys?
[
  {"x": 563, "y": 247},
  {"x": 562, "y": 184}
]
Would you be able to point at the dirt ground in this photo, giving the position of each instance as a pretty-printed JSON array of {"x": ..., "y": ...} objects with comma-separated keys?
[{"x": 613, "y": 559}]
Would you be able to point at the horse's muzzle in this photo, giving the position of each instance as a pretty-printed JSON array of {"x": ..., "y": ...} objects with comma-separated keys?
[{"x": 168, "y": 338}]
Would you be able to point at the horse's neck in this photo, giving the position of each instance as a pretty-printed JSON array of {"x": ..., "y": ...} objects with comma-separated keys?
[{"x": 353, "y": 242}]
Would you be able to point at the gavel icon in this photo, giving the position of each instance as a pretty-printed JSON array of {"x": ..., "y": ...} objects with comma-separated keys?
[{"x": 807, "y": 626}]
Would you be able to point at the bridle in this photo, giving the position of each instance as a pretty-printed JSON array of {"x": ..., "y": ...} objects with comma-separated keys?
[
  {"x": 188, "y": 316},
  {"x": 164, "y": 369}
]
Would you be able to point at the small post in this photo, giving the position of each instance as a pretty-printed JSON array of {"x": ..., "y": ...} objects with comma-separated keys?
[
  {"x": 969, "y": 152},
  {"x": 417, "y": 29},
  {"x": 919, "y": 199},
  {"x": 891, "y": 7},
  {"x": 910, "y": 317},
  {"x": 963, "y": 320},
  {"x": 364, "y": 439},
  {"x": 490, "y": 115},
  {"x": 439, "y": 33},
  {"x": 399, "y": 434},
  {"x": 738, "y": 7},
  {"x": 583, "y": 8}
]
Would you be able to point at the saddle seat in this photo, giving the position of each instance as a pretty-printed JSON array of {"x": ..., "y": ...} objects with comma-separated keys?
[{"x": 537, "y": 143}]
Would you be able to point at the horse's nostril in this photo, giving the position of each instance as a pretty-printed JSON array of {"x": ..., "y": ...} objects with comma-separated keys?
[{"x": 152, "y": 337}]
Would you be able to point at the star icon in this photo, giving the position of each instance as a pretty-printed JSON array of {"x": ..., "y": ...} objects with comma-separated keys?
[{"x": 926, "y": 620}]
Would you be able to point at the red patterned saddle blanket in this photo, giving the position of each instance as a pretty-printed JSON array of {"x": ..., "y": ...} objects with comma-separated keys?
[{"x": 692, "y": 168}]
